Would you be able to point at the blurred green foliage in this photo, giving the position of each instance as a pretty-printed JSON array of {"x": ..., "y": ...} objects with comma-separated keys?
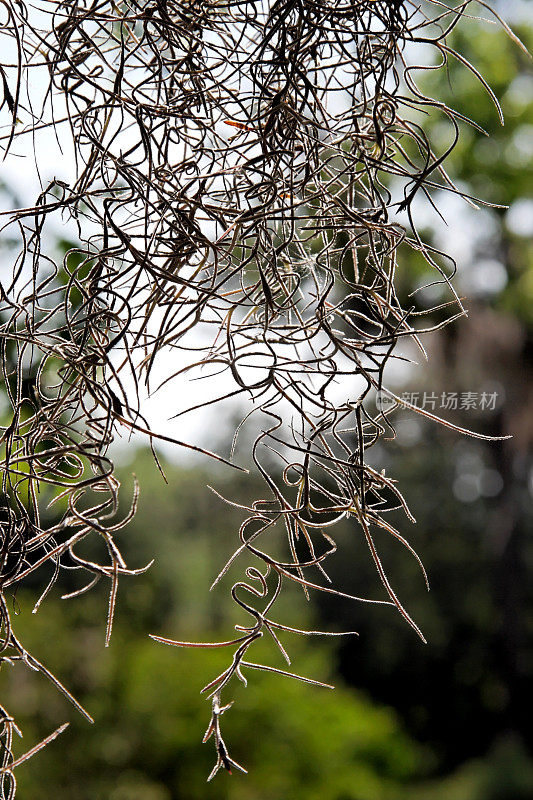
[
  {"x": 149, "y": 717},
  {"x": 497, "y": 167},
  {"x": 297, "y": 740}
]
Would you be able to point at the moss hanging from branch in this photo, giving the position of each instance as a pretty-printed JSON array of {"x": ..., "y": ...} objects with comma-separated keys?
[{"x": 245, "y": 176}]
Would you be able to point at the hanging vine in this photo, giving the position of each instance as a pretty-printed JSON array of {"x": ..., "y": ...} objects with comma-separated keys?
[{"x": 243, "y": 180}]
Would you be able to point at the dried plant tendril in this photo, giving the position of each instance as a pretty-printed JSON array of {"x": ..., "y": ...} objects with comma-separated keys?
[{"x": 242, "y": 190}]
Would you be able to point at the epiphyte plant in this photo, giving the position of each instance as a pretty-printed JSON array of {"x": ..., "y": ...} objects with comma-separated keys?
[{"x": 239, "y": 178}]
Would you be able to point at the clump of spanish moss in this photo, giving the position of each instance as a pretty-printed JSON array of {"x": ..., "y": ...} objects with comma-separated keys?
[{"x": 243, "y": 189}]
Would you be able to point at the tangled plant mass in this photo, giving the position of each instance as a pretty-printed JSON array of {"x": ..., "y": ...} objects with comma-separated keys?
[{"x": 243, "y": 180}]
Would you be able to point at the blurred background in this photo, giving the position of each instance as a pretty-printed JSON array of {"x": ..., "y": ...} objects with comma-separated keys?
[{"x": 448, "y": 720}]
